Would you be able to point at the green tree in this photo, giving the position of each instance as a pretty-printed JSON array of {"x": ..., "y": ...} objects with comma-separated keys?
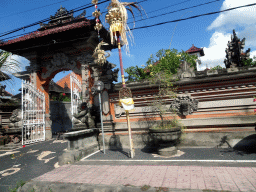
[
  {"x": 7, "y": 63},
  {"x": 164, "y": 60},
  {"x": 136, "y": 73},
  {"x": 250, "y": 62}
]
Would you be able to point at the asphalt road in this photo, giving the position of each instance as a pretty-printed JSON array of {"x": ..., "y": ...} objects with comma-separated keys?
[
  {"x": 186, "y": 156},
  {"x": 26, "y": 163}
]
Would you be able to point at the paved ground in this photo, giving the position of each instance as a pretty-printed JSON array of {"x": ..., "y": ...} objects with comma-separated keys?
[
  {"x": 28, "y": 162},
  {"x": 194, "y": 169},
  {"x": 173, "y": 177}
]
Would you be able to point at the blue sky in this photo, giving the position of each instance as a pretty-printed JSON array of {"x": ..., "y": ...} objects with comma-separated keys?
[{"x": 210, "y": 32}]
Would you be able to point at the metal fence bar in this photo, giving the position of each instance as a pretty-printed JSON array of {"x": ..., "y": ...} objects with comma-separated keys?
[
  {"x": 76, "y": 89},
  {"x": 33, "y": 114}
]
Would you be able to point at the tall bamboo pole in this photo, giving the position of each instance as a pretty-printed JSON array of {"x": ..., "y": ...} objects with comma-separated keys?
[{"x": 132, "y": 151}]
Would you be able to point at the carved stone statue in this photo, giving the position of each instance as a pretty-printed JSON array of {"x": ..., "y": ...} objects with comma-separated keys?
[
  {"x": 16, "y": 120},
  {"x": 83, "y": 119},
  {"x": 234, "y": 52},
  {"x": 184, "y": 104},
  {"x": 185, "y": 71}
]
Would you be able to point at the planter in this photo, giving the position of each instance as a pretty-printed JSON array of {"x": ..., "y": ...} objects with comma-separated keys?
[{"x": 165, "y": 140}]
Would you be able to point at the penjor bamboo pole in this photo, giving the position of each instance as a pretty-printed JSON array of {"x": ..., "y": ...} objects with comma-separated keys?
[{"x": 132, "y": 152}]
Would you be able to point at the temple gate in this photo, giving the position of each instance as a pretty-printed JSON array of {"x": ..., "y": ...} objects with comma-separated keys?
[{"x": 65, "y": 43}]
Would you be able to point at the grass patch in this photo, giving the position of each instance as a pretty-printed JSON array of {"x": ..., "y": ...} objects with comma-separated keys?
[
  {"x": 162, "y": 189},
  {"x": 18, "y": 184},
  {"x": 145, "y": 187}
]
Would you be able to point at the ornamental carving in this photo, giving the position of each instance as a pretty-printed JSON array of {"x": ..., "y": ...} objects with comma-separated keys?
[
  {"x": 186, "y": 70},
  {"x": 85, "y": 58},
  {"x": 234, "y": 52},
  {"x": 59, "y": 61},
  {"x": 184, "y": 104},
  {"x": 62, "y": 16}
]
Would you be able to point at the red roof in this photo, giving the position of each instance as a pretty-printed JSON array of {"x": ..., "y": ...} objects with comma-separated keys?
[
  {"x": 194, "y": 49},
  {"x": 66, "y": 80},
  {"x": 37, "y": 34}
]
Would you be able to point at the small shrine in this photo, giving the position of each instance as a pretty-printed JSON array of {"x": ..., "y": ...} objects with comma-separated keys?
[{"x": 199, "y": 52}]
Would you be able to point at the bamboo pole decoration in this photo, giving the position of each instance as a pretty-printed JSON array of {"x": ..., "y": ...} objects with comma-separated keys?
[
  {"x": 122, "y": 95},
  {"x": 121, "y": 60},
  {"x": 117, "y": 18}
]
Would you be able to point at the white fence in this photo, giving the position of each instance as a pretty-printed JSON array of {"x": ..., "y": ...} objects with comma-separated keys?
[
  {"x": 76, "y": 90},
  {"x": 33, "y": 114}
]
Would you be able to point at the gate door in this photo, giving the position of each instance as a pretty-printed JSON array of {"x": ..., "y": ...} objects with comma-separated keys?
[
  {"x": 33, "y": 114},
  {"x": 76, "y": 91}
]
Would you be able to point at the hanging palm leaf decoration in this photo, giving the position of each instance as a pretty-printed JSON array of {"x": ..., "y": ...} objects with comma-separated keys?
[
  {"x": 100, "y": 55},
  {"x": 117, "y": 19}
]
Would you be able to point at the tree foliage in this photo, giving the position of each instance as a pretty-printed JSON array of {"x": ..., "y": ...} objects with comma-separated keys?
[
  {"x": 8, "y": 64},
  {"x": 250, "y": 62},
  {"x": 164, "y": 60}
]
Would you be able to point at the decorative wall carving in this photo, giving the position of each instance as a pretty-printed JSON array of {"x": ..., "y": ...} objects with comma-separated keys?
[
  {"x": 85, "y": 58},
  {"x": 59, "y": 61},
  {"x": 184, "y": 104},
  {"x": 105, "y": 102}
]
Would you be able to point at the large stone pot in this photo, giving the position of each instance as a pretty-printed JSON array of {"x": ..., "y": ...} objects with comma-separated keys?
[{"x": 165, "y": 140}]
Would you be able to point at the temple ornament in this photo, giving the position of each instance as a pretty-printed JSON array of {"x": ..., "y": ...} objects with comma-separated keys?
[
  {"x": 62, "y": 16},
  {"x": 234, "y": 53},
  {"x": 184, "y": 104}
]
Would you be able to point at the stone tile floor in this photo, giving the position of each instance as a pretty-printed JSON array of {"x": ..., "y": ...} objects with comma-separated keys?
[{"x": 179, "y": 177}]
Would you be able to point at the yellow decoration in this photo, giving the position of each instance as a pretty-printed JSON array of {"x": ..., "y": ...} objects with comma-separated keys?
[
  {"x": 96, "y": 13},
  {"x": 128, "y": 104},
  {"x": 94, "y": 1},
  {"x": 98, "y": 26}
]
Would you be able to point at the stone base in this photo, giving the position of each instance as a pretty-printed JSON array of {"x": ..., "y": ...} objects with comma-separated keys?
[
  {"x": 71, "y": 156},
  {"x": 48, "y": 134},
  {"x": 168, "y": 151},
  {"x": 80, "y": 144}
]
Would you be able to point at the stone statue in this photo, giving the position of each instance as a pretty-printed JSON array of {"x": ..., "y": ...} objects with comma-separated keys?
[
  {"x": 184, "y": 104},
  {"x": 186, "y": 70},
  {"x": 83, "y": 119},
  {"x": 16, "y": 119}
]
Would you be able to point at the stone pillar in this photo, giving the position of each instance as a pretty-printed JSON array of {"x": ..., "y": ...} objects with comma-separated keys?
[
  {"x": 85, "y": 76},
  {"x": 44, "y": 87}
]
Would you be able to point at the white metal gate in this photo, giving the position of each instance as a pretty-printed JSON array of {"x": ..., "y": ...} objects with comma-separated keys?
[
  {"x": 33, "y": 114},
  {"x": 76, "y": 91}
]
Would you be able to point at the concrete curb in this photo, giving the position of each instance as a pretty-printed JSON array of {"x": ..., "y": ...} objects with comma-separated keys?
[{"x": 42, "y": 186}]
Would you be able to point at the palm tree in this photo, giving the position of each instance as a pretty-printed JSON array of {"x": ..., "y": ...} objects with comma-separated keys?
[{"x": 8, "y": 66}]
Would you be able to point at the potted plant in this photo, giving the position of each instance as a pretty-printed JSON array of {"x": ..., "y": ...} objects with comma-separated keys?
[{"x": 165, "y": 133}]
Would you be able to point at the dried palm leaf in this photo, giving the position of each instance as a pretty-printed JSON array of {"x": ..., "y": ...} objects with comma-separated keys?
[{"x": 117, "y": 18}]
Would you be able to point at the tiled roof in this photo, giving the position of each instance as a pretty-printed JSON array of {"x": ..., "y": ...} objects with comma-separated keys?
[
  {"x": 194, "y": 49},
  {"x": 53, "y": 87},
  {"x": 65, "y": 81},
  {"x": 37, "y": 34}
]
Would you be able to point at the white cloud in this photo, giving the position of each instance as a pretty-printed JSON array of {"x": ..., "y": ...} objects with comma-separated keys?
[
  {"x": 242, "y": 20},
  {"x": 242, "y": 17},
  {"x": 215, "y": 53}
]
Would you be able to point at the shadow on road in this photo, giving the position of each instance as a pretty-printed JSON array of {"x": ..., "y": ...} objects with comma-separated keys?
[{"x": 246, "y": 145}]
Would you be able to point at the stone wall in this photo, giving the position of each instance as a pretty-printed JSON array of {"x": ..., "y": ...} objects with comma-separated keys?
[
  {"x": 225, "y": 106},
  {"x": 60, "y": 114}
]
